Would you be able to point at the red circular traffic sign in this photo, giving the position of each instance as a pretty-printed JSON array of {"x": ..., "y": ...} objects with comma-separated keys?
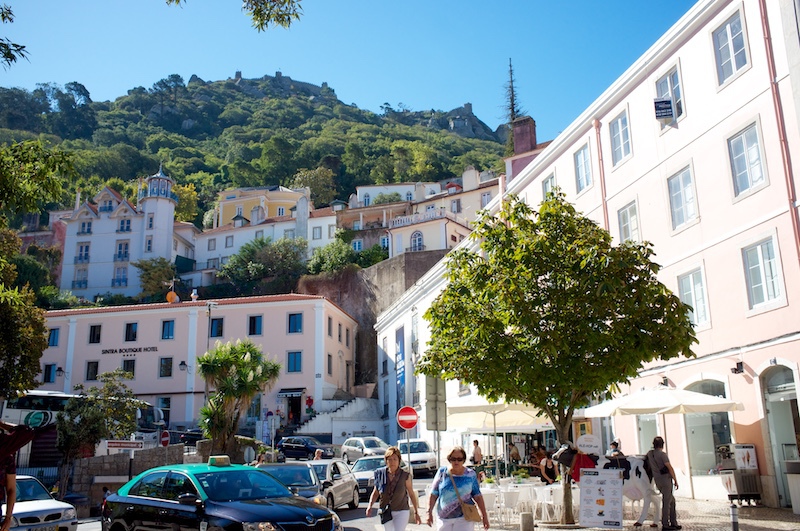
[
  {"x": 407, "y": 417},
  {"x": 164, "y": 438}
]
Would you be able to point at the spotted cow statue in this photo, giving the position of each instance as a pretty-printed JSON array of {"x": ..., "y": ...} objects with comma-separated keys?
[{"x": 636, "y": 483}]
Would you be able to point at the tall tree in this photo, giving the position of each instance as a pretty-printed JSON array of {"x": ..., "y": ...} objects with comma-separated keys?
[
  {"x": 319, "y": 181},
  {"x": 155, "y": 277},
  {"x": 513, "y": 109},
  {"x": 264, "y": 266},
  {"x": 236, "y": 373},
  {"x": 548, "y": 312}
]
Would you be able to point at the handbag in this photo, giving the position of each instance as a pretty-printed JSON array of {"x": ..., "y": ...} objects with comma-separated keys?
[
  {"x": 385, "y": 513},
  {"x": 471, "y": 513}
]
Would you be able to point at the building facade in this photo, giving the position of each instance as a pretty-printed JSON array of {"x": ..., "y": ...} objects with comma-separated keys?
[
  {"x": 711, "y": 181},
  {"x": 312, "y": 339}
]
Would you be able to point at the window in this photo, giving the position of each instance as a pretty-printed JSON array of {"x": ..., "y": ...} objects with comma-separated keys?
[
  {"x": 384, "y": 242},
  {"x": 212, "y": 244},
  {"x": 174, "y": 245},
  {"x": 86, "y": 227},
  {"x": 213, "y": 263},
  {"x": 164, "y": 367},
  {"x": 620, "y": 138},
  {"x": 761, "y": 271},
  {"x": 177, "y": 484},
  {"x": 120, "y": 277},
  {"x": 83, "y": 253},
  {"x": 49, "y": 373},
  {"x": 583, "y": 173},
  {"x": 357, "y": 225},
  {"x": 216, "y": 327},
  {"x": 628, "y": 222},
  {"x": 124, "y": 225},
  {"x": 168, "y": 329},
  {"x": 294, "y": 362},
  {"x": 486, "y": 198},
  {"x": 340, "y": 333},
  {"x": 52, "y": 339},
  {"x": 332, "y": 230},
  {"x": 94, "y": 334},
  {"x": 295, "y": 323},
  {"x": 409, "y": 196},
  {"x": 228, "y": 241},
  {"x": 330, "y": 364},
  {"x": 288, "y": 234},
  {"x": 316, "y": 233},
  {"x": 330, "y": 327},
  {"x": 149, "y": 221},
  {"x": 254, "y": 325},
  {"x": 669, "y": 86},
  {"x": 239, "y": 210},
  {"x": 745, "y": 153},
  {"x": 148, "y": 244},
  {"x": 122, "y": 251},
  {"x": 129, "y": 366},
  {"x": 692, "y": 292},
  {"x": 358, "y": 245},
  {"x": 347, "y": 337},
  {"x": 729, "y": 49},
  {"x": 416, "y": 242},
  {"x": 130, "y": 331},
  {"x": 281, "y": 211},
  {"x": 259, "y": 234},
  {"x": 455, "y": 206},
  {"x": 366, "y": 200},
  {"x": 548, "y": 184},
  {"x": 92, "y": 368},
  {"x": 681, "y": 198}
]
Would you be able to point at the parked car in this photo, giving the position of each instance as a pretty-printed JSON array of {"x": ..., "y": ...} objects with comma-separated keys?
[
  {"x": 299, "y": 477},
  {"x": 303, "y": 447},
  {"x": 190, "y": 437},
  {"x": 217, "y": 494},
  {"x": 358, "y": 447},
  {"x": 36, "y": 510},
  {"x": 339, "y": 485},
  {"x": 423, "y": 458}
]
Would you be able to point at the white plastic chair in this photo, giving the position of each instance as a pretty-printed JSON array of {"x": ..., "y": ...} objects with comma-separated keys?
[
  {"x": 490, "y": 502},
  {"x": 508, "y": 507}
]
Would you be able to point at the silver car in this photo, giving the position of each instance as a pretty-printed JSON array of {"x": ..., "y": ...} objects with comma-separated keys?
[
  {"x": 339, "y": 485},
  {"x": 36, "y": 510},
  {"x": 357, "y": 447}
]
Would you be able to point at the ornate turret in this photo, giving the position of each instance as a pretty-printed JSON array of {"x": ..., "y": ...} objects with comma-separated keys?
[{"x": 158, "y": 185}]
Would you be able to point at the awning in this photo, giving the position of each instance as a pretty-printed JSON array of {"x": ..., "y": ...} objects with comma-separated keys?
[{"x": 290, "y": 392}]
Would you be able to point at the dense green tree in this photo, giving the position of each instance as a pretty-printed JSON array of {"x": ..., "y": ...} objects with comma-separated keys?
[
  {"x": 263, "y": 266},
  {"x": 30, "y": 272},
  {"x": 373, "y": 255},
  {"x": 382, "y": 198},
  {"x": 277, "y": 160},
  {"x": 546, "y": 311},
  {"x": 331, "y": 258},
  {"x": 234, "y": 373},
  {"x": 319, "y": 181},
  {"x": 155, "y": 277}
]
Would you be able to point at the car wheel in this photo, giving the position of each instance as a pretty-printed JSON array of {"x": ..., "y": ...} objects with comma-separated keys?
[
  {"x": 330, "y": 504},
  {"x": 345, "y": 459},
  {"x": 310, "y": 455},
  {"x": 354, "y": 504}
]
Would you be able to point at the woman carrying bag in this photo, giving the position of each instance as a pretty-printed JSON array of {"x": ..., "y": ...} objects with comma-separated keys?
[
  {"x": 393, "y": 487},
  {"x": 455, "y": 493}
]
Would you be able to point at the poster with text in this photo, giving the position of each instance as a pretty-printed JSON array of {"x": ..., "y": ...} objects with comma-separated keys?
[{"x": 601, "y": 498}]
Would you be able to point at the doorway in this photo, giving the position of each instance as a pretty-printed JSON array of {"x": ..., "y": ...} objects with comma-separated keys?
[{"x": 780, "y": 398}]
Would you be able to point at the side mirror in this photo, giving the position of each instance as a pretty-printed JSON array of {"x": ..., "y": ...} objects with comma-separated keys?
[{"x": 336, "y": 477}]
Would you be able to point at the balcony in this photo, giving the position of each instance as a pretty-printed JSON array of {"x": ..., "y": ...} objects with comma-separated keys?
[
  {"x": 123, "y": 229},
  {"x": 80, "y": 284},
  {"x": 121, "y": 257},
  {"x": 405, "y": 221},
  {"x": 119, "y": 282},
  {"x": 82, "y": 259},
  {"x": 105, "y": 208},
  {"x": 82, "y": 232}
]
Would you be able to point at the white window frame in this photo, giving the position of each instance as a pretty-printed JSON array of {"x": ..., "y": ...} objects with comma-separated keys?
[
  {"x": 332, "y": 230},
  {"x": 583, "y": 169},
  {"x": 768, "y": 274},
  {"x": 629, "y": 224},
  {"x": 281, "y": 211},
  {"x": 366, "y": 200},
  {"x": 358, "y": 245},
  {"x": 747, "y": 156},
  {"x": 228, "y": 241},
  {"x": 683, "y": 208},
  {"x": 455, "y": 206},
  {"x": 486, "y": 198},
  {"x": 730, "y": 44},
  {"x": 670, "y": 86},
  {"x": 316, "y": 233},
  {"x": 692, "y": 291},
  {"x": 212, "y": 244},
  {"x": 620, "y": 137},
  {"x": 548, "y": 184}
]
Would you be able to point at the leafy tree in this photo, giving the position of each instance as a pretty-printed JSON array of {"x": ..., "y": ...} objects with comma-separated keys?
[
  {"x": 373, "y": 255},
  {"x": 320, "y": 181},
  {"x": 513, "y": 109},
  {"x": 23, "y": 338},
  {"x": 30, "y": 272},
  {"x": 266, "y": 12},
  {"x": 236, "y": 372},
  {"x": 382, "y": 198},
  {"x": 9, "y": 51},
  {"x": 331, "y": 258},
  {"x": 187, "y": 202},
  {"x": 548, "y": 312},
  {"x": 155, "y": 277},
  {"x": 274, "y": 267},
  {"x": 108, "y": 412}
]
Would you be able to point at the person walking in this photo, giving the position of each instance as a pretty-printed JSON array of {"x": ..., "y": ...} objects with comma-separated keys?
[
  {"x": 664, "y": 477},
  {"x": 453, "y": 488},
  {"x": 477, "y": 455},
  {"x": 393, "y": 488}
]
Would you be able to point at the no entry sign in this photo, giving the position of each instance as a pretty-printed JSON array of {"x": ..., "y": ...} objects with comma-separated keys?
[
  {"x": 165, "y": 438},
  {"x": 407, "y": 417}
]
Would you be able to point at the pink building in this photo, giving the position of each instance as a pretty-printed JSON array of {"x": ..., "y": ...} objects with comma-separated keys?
[{"x": 312, "y": 338}]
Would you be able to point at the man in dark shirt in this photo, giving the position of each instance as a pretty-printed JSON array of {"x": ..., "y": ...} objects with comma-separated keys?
[
  {"x": 664, "y": 477},
  {"x": 8, "y": 488}
]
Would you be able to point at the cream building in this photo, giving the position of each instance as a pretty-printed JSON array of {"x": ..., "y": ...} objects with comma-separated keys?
[{"x": 713, "y": 187}]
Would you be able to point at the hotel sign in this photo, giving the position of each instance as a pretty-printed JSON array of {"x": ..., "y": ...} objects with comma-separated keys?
[{"x": 128, "y": 350}]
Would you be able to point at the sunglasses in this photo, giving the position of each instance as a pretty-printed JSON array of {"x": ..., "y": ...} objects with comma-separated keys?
[{"x": 457, "y": 459}]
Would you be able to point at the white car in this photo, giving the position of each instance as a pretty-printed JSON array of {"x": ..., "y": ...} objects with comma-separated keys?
[
  {"x": 36, "y": 510},
  {"x": 357, "y": 447},
  {"x": 423, "y": 458}
]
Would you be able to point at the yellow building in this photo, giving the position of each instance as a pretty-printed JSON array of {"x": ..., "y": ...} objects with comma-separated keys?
[{"x": 256, "y": 204}]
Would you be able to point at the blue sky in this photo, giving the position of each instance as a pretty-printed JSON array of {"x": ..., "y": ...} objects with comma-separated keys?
[{"x": 427, "y": 54}]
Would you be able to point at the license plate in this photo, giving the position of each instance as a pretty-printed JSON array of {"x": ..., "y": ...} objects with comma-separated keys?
[
  {"x": 362, "y": 491},
  {"x": 46, "y": 528}
]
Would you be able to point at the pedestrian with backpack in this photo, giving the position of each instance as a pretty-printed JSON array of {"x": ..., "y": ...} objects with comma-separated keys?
[{"x": 665, "y": 478}]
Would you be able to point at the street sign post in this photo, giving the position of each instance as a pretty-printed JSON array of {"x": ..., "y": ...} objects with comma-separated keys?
[
  {"x": 125, "y": 444},
  {"x": 165, "y": 438}
]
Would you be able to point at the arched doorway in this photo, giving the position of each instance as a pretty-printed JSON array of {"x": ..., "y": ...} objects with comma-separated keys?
[
  {"x": 780, "y": 398},
  {"x": 706, "y": 431}
]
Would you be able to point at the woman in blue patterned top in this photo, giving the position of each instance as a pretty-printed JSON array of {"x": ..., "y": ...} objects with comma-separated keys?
[{"x": 443, "y": 494}]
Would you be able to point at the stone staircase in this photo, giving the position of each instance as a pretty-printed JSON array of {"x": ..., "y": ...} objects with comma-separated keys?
[{"x": 354, "y": 417}]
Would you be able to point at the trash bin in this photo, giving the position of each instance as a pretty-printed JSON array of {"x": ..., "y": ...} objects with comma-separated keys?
[{"x": 793, "y": 479}]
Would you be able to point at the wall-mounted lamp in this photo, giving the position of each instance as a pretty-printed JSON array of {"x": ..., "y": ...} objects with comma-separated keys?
[
  {"x": 773, "y": 361},
  {"x": 184, "y": 366},
  {"x": 738, "y": 369},
  {"x": 60, "y": 371},
  {"x": 665, "y": 381}
]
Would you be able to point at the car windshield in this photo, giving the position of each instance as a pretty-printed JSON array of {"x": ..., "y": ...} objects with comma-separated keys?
[
  {"x": 375, "y": 443},
  {"x": 365, "y": 465},
  {"x": 321, "y": 470},
  {"x": 30, "y": 489},
  {"x": 311, "y": 440},
  {"x": 417, "y": 447},
  {"x": 293, "y": 476},
  {"x": 241, "y": 485}
]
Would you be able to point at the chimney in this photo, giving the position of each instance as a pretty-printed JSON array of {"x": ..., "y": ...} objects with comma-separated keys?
[
  {"x": 524, "y": 134},
  {"x": 78, "y": 199}
]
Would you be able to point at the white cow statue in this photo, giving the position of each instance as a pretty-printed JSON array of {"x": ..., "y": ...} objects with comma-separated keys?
[{"x": 636, "y": 485}]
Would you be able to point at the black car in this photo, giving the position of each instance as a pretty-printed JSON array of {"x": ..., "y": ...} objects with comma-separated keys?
[
  {"x": 216, "y": 496},
  {"x": 303, "y": 447},
  {"x": 190, "y": 437}
]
